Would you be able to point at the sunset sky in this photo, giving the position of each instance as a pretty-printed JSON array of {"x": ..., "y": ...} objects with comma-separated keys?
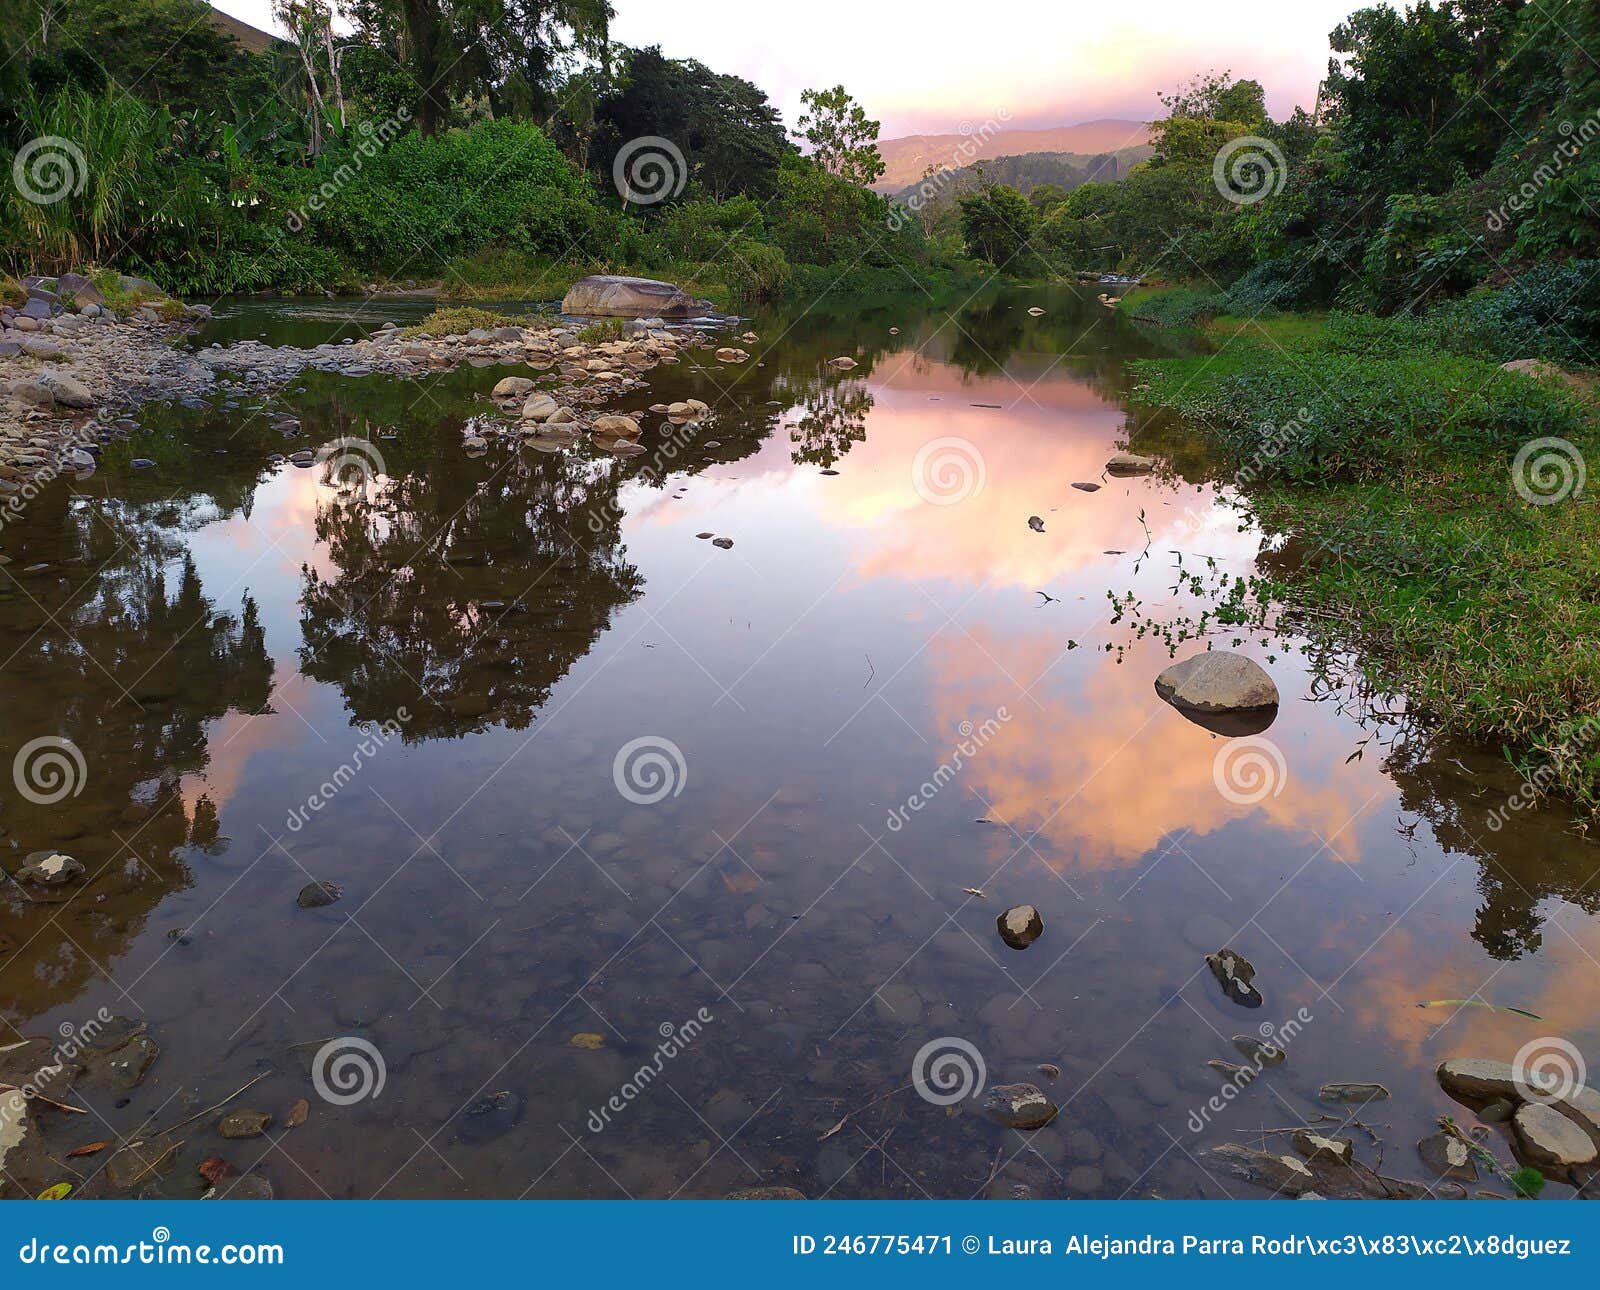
[{"x": 929, "y": 65}]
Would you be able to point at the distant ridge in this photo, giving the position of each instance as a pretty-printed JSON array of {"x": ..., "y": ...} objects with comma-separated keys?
[
  {"x": 906, "y": 159},
  {"x": 253, "y": 39}
]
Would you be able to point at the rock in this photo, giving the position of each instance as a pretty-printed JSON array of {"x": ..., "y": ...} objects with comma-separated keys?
[
  {"x": 726, "y": 543},
  {"x": 1539, "y": 370},
  {"x": 561, "y": 417},
  {"x": 1447, "y": 1156},
  {"x": 765, "y": 1193},
  {"x": 1318, "y": 1147},
  {"x": 243, "y": 1124},
  {"x": 40, "y": 348},
  {"x": 1498, "y": 1111},
  {"x": 68, "y": 391},
  {"x": 315, "y": 895},
  {"x": 1036, "y": 523},
  {"x": 1283, "y": 1174},
  {"x": 1018, "y": 1106},
  {"x": 1259, "y": 1051},
  {"x": 141, "y": 1161},
  {"x": 475, "y": 443},
  {"x": 616, "y": 427},
  {"x": 541, "y": 407},
  {"x": 1362, "y": 1093},
  {"x": 244, "y": 1187},
  {"x": 1223, "y": 691},
  {"x": 512, "y": 387},
  {"x": 79, "y": 291},
  {"x": 843, "y": 363},
  {"x": 727, "y": 354},
  {"x": 1236, "y": 975},
  {"x": 1020, "y": 926},
  {"x": 489, "y": 1117},
  {"x": 1550, "y": 1141},
  {"x": 49, "y": 869},
  {"x": 1129, "y": 463},
  {"x": 1476, "y": 1079},
  {"x": 1036, "y": 312},
  {"x": 607, "y": 296},
  {"x": 1086, "y": 487}
]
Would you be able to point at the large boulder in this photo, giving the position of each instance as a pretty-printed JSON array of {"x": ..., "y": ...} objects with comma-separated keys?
[
  {"x": 69, "y": 392},
  {"x": 79, "y": 290},
  {"x": 607, "y": 296},
  {"x": 1222, "y": 691}
]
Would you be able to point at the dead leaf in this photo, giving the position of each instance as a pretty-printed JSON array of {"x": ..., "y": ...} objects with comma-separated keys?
[
  {"x": 297, "y": 1114},
  {"x": 973, "y": 891},
  {"x": 589, "y": 1040},
  {"x": 833, "y": 1130},
  {"x": 59, "y": 1192},
  {"x": 88, "y": 1149},
  {"x": 214, "y": 1168}
]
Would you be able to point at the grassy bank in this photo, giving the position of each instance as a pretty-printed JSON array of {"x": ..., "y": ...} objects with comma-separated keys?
[{"x": 1418, "y": 527}]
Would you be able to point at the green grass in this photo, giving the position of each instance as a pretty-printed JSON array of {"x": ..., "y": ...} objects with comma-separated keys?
[
  {"x": 457, "y": 320},
  {"x": 1387, "y": 471}
]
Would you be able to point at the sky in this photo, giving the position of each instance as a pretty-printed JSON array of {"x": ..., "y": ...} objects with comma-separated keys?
[{"x": 931, "y": 65}]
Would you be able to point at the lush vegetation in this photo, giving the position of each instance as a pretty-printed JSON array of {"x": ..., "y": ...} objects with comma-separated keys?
[{"x": 163, "y": 148}]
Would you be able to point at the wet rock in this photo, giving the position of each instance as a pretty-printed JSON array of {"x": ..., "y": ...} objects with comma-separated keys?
[
  {"x": 1475, "y": 1079},
  {"x": 1321, "y": 1148},
  {"x": 512, "y": 387},
  {"x": 704, "y": 536},
  {"x": 765, "y": 1193},
  {"x": 1219, "y": 684},
  {"x": 1362, "y": 1093},
  {"x": 541, "y": 407},
  {"x": 489, "y": 1117},
  {"x": 1087, "y": 487},
  {"x": 475, "y": 444},
  {"x": 1128, "y": 463},
  {"x": 1498, "y": 1111},
  {"x": 1036, "y": 523},
  {"x": 1236, "y": 975},
  {"x": 244, "y": 1187},
  {"x": 726, "y": 543},
  {"x": 243, "y": 1124},
  {"x": 1020, "y": 926},
  {"x": 315, "y": 895},
  {"x": 141, "y": 1161},
  {"x": 609, "y": 296},
  {"x": 1282, "y": 1174},
  {"x": 1447, "y": 1156},
  {"x": 1260, "y": 1051},
  {"x": 728, "y": 354},
  {"x": 844, "y": 363},
  {"x": 50, "y": 869},
  {"x": 1548, "y": 1140},
  {"x": 616, "y": 427},
  {"x": 1018, "y": 1106}
]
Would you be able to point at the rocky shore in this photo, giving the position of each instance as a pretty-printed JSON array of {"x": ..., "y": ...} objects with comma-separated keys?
[{"x": 72, "y": 368}]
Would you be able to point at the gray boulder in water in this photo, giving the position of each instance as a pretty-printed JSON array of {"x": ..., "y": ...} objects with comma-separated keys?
[{"x": 607, "y": 296}]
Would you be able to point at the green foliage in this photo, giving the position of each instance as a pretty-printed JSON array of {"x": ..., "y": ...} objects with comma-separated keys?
[
  {"x": 458, "y": 320},
  {"x": 1174, "y": 307},
  {"x": 843, "y": 141},
  {"x": 997, "y": 225},
  {"x": 1527, "y": 1182}
]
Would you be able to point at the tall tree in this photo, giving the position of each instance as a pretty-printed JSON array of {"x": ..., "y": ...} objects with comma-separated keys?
[{"x": 843, "y": 139}]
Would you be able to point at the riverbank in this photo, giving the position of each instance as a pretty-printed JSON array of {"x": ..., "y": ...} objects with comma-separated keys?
[{"x": 1429, "y": 515}]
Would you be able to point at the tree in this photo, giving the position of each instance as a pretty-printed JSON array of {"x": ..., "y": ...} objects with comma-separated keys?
[
  {"x": 997, "y": 224},
  {"x": 843, "y": 141}
]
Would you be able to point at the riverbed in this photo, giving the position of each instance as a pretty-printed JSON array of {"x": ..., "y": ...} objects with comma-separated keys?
[{"x": 667, "y": 868}]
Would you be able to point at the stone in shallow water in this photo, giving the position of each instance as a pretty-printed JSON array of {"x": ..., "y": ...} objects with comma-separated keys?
[
  {"x": 50, "y": 869},
  {"x": 1236, "y": 974},
  {"x": 1223, "y": 691},
  {"x": 1321, "y": 1147},
  {"x": 1362, "y": 1093},
  {"x": 765, "y": 1193},
  {"x": 1446, "y": 1155},
  {"x": 1018, "y": 1106},
  {"x": 243, "y": 1124},
  {"x": 1550, "y": 1141},
  {"x": 1020, "y": 926},
  {"x": 315, "y": 895}
]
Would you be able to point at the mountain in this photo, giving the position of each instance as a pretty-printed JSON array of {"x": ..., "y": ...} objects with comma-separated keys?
[
  {"x": 907, "y": 158},
  {"x": 1031, "y": 169},
  {"x": 253, "y": 39}
]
